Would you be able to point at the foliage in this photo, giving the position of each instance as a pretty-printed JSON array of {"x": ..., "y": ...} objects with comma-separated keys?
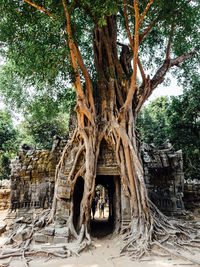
[
  {"x": 35, "y": 46},
  {"x": 38, "y": 69},
  {"x": 152, "y": 121},
  {"x": 178, "y": 120},
  {"x": 44, "y": 118},
  {"x": 40, "y": 132},
  {"x": 42, "y": 121},
  {"x": 8, "y": 143},
  {"x": 184, "y": 128}
]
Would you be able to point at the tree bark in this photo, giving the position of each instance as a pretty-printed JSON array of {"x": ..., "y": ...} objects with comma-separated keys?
[{"x": 118, "y": 131}]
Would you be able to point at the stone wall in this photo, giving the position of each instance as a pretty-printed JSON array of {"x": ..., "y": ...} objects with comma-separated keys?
[
  {"x": 191, "y": 196},
  {"x": 4, "y": 194},
  {"x": 32, "y": 176},
  {"x": 164, "y": 177}
]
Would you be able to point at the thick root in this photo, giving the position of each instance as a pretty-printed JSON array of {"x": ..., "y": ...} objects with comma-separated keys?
[{"x": 171, "y": 236}]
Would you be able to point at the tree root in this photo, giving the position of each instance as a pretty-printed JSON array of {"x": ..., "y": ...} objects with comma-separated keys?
[
  {"x": 148, "y": 229},
  {"x": 32, "y": 253},
  {"x": 173, "y": 237},
  {"x": 68, "y": 250}
]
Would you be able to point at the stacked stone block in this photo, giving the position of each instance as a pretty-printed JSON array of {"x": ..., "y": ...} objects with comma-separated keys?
[
  {"x": 192, "y": 196},
  {"x": 32, "y": 176},
  {"x": 4, "y": 194},
  {"x": 164, "y": 177}
]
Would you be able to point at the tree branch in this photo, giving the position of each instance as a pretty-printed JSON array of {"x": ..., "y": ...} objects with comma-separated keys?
[
  {"x": 72, "y": 54},
  {"x": 86, "y": 76},
  {"x": 141, "y": 70},
  {"x": 40, "y": 8},
  {"x": 144, "y": 34},
  {"x": 135, "y": 57},
  {"x": 127, "y": 25},
  {"x": 147, "y": 88},
  {"x": 145, "y": 11},
  {"x": 74, "y": 49},
  {"x": 75, "y": 55},
  {"x": 161, "y": 72},
  {"x": 151, "y": 25},
  {"x": 179, "y": 60},
  {"x": 170, "y": 42}
]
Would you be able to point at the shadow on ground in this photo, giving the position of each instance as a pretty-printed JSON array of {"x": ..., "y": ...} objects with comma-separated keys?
[{"x": 101, "y": 228}]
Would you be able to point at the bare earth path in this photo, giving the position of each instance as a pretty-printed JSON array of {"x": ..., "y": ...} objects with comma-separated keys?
[
  {"x": 100, "y": 256},
  {"x": 103, "y": 253}
]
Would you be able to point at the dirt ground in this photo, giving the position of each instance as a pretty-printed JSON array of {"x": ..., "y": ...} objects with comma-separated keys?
[{"x": 104, "y": 252}]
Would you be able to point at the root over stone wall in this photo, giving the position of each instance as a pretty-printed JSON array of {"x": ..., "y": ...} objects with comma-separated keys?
[{"x": 33, "y": 177}]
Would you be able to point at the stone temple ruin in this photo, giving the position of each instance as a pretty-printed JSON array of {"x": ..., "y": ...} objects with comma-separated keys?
[
  {"x": 33, "y": 173},
  {"x": 4, "y": 194}
]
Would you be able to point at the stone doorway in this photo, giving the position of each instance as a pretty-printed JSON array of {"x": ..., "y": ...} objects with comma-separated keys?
[{"x": 111, "y": 192}]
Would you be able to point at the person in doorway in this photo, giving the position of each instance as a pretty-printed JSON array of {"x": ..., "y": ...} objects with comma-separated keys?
[
  {"x": 94, "y": 205},
  {"x": 101, "y": 207}
]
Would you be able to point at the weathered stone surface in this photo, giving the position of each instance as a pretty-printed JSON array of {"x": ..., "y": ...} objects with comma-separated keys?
[
  {"x": 23, "y": 233},
  {"x": 164, "y": 177},
  {"x": 26, "y": 219},
  {"x": 48, "y": 231},
  {"x": 32, "y": 178},
  {"x": 63, "y": 192},
  {"x": 8, "y": 241},
  {"x": 40, "y": 238},
  {"x": 26, "y": 233},
  {"x": 63, "y": 232},
  {"x": 4, "y": 194},
  {"x": 192, "y": 195},
  {"x": 33, "y": 175},
  {"x": 59, "y": 239}
]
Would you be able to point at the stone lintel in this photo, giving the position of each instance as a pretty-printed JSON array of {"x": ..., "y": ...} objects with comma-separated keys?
[{"x": 104, "y": 170}]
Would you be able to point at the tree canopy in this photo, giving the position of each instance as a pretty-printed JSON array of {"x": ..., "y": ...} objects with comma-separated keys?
[{"x": 34, "y": 40}]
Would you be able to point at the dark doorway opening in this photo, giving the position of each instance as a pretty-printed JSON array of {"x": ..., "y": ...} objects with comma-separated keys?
[
  {"x": 107, "y": 188},
  {"x": 77, "y": 197}
]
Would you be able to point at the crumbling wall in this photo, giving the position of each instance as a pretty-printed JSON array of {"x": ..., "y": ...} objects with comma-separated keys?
[
  {"x": 32, "y": 176},
  {"x": 4, "y": 194},
  {"x": 192, "y": 196},
  {"x": 164, "y": 177}
]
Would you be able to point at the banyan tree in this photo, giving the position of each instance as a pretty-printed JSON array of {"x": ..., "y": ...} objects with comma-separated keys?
[{"x": 115, "y": 54}]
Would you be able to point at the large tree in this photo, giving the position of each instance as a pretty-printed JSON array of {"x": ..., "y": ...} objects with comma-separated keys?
[{"x": 103, "y": 47}]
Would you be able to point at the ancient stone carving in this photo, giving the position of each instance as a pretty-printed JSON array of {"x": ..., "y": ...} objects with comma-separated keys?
[{"x": 33, "y": 174}]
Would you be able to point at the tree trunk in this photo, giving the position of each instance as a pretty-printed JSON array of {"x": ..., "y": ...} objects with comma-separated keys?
[{"x": 118, "y": 131}]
